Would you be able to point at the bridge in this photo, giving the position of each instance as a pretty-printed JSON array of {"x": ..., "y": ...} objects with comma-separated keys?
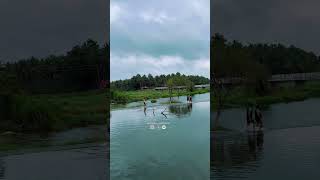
[
  {"x": 200, "y": 86},
  {"x": 295, "y": 77},
  {"x": 278, "y": 78}
]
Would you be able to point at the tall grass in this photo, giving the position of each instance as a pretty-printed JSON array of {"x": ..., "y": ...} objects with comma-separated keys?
[
  {"x": 45, "y": 113},
  {"x": 25, "y": 114}
]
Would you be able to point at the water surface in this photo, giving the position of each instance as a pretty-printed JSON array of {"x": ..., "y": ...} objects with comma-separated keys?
[
  {"x": 77, "y": 154},
  {"x": 288, "y": 148},
  {"x": 148, "y": 145}
]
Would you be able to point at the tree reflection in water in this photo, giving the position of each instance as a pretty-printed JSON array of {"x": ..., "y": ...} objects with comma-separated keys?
[
  {"x": 181, "y": 110},
  {"x": 2, "y": 169},
  {"x": 230, "y": 150}
]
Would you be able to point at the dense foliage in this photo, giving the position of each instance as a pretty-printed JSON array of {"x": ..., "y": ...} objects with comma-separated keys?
[
  {"x": 85, "y": 67},
  {"x": 138, "y": 82},
  {"x": 233, "y": 58}
]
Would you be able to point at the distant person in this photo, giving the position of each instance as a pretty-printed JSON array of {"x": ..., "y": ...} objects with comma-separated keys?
[
  {"x": 258, "y": 117},
  {"x": 249, "y": 116},
  {"x": 145, "y": 106},
  {"x": 144, "y": 102},
  {"x": 190, "y": 98}
]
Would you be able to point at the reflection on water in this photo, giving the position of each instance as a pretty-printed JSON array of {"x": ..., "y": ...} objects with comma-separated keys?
[
  {"x": 2, "y": 169},
  {"x": 73, "y": 164},
  {"x": 160, "y": 102},
  {"x": 140, "y": 151},
  {"x": 181, "y": 109},
  {"x": 232, "y": 153},
  {"x": 64, "y": 155},
  {"x": 288, "y": 148}
]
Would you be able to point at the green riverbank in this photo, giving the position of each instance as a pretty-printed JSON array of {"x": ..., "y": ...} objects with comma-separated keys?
[
  {"x": 239, "y": 97},
  {"x": 57, "y": 112},
  {"x": 48, "y": 113},
  {"x": 123, "y": 97}
]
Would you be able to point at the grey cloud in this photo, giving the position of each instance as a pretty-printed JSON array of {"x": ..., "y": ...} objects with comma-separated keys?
[
  {"x": 42, "y": 27},
  {"x": 183, "y": 28},
  {"x": 162, "y": 31},
  {"x": 285, "y": 21}
]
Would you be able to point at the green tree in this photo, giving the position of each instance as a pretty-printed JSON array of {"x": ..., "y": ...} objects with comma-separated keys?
[{"x": 170, "y": 84}]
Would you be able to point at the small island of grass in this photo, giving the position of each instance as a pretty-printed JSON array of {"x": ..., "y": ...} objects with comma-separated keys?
[{"x": 151, "y": 88}]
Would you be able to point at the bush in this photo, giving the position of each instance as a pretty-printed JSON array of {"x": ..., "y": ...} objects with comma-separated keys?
[
  {"x": 27, "y": 114},
  {"x": 5, "y": 101},
  {"x": 118, "y": 97}
]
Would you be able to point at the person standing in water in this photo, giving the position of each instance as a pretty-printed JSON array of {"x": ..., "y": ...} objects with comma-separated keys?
[
  {"x": 144, "y": 102},
  {"x": 249, "y": 116},
  {"x": 145, "y": 106},
  {"x": 258, "y": 117}
]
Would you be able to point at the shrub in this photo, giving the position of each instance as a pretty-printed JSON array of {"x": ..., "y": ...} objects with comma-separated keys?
[
  {"x": 118, "y": 97},
  {"x": 27, "y": 114}
]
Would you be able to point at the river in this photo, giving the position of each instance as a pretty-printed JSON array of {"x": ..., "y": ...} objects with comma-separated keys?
[
  {"x": 146, "y": 144},
  {"x": 288, "y": 148},
  {"x": 142, "y": 148},
  {"x": 64, "y": 155}
]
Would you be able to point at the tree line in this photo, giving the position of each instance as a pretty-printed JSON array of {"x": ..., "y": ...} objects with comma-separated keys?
[
  {"x": 232, "y": 58},
  {"x": 84, "y": 67},
  {"x": 138, "y": 81}
]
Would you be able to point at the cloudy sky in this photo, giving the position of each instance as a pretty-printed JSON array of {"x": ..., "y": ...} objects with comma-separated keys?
[
  {"x": 42, "y": 27},
  {"x": 294, "y": 22},
  {"x": 159, "y": 37}
]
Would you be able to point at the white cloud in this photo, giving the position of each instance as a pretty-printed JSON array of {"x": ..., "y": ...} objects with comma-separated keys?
[
  {"x": 156, "y": 17},
  {"x": 126, "y": 66}
]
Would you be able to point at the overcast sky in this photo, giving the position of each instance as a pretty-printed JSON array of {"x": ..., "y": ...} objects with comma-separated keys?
[
  {"x": 159, "y": 37},
  {"x": 295, "y": 22},
  {"x": 42, "y": 27},
  {"x": 153, "y": 36}
]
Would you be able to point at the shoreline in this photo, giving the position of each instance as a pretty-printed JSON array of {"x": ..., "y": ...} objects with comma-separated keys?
[
  {"x": 48, "y": 113},
  {"x": 278, "y": 95},
  {"x": 116, "y": 106},
  {"x": 137, "y": 96}
]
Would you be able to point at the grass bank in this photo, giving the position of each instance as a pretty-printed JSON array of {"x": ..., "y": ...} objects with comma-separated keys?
[
  {"x": 122, "y": 97},
  {"x": 47, "y": 113},
  {"x": 238, "y": 97}
]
